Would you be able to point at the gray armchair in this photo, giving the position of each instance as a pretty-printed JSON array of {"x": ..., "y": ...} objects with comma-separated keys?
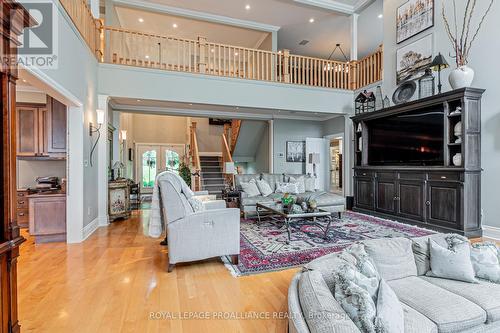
[{"x": 212, "y": 232}]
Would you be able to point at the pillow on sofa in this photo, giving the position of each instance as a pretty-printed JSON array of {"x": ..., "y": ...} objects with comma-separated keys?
[
  {"x": 453, "y": 263},
  {"x": 301, "y": 185},
  {"x": 390, "y": 315},
  {"x": 363, "y": 261},
  {"x": 250, "y": 188},
  {"x": 286, "y": 188},
  {"x": 264, "y": 187},
  {"x": 486, "y": 261},
  {"x": 310, "y": 184},
  {"x": 196, "y": 203}
]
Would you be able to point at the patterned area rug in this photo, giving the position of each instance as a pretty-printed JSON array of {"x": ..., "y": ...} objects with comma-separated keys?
[{"x": 264, "y": 248}]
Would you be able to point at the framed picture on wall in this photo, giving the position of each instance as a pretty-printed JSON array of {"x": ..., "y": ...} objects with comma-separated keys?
[
  {"x": 413, "y": 17},
  {"x": 413, "y": 59},
  {"x": 296, "y": 151}
]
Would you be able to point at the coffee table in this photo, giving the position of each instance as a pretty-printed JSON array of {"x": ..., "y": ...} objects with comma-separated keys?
[{"x": 276, "y": 212}]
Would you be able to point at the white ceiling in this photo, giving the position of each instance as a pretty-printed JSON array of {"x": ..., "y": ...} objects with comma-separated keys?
[
  {"x": 292, "y": 16},
  {"x": 207, "y": 110}
]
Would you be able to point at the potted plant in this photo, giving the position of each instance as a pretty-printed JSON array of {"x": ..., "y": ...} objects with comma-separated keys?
[
  {"x": 185, "y": 173},
  {"x": 462, "y": 39}
]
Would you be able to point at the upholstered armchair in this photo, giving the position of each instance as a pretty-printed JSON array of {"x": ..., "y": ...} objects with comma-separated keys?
[{"x": 211, "y": 231}]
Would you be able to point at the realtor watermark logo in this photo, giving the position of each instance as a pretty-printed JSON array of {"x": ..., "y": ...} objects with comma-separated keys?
[{"x": 39, "y": 43}]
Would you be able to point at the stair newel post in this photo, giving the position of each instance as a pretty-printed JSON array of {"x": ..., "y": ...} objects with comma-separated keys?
[
  {"x": 202, "y": 64},
  {"x": 353, "y": 75},
  {"x": 286, "y": 65}
]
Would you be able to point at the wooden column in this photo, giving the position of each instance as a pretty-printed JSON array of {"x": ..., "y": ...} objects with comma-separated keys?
[
  {"x": 13, "y": 18},
  {"x": 202, "y": 65},
  {"x": 286, "y": 65}
]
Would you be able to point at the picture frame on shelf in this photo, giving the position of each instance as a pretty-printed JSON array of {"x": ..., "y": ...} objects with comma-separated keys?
[
  {"x": 412, "y": 18},
  {"x": 413, "y": 59}
]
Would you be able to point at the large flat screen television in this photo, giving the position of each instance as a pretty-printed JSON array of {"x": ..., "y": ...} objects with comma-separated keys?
[{"x": 413, "y": 139}]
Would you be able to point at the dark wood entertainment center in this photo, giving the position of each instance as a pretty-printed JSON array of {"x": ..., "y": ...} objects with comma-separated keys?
[{"x": 446, "y": 197}]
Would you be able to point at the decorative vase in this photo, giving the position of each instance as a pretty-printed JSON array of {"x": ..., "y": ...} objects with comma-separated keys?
[
  {"x": 457, "y": 159},
  {"x": 360, "y": 144},
  {"x": 379, "y": 98},
  {"x": 461, "y": 77}
]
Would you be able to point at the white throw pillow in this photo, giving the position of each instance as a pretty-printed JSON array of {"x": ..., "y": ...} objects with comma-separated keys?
[
  {"x": 250, "y": 188},
  {"x": 196, "y": 203},
  {"x": 291, "y": 188},
  {"x": 390, "y": 315},
  {"x": 486, "y": 261},
  {"x": 264, "y": 187},
  {"x": 310, "y": 184},
  {"x": 454, "y": 263},
  {"x": 301, "y": 186}
]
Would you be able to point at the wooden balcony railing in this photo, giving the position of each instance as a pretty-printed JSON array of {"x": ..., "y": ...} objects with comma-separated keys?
[
  {"x": 89, "y": 27},
  {"x": 134, "y": 48}
]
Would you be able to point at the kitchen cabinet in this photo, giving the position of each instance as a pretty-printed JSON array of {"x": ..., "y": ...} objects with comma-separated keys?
[
  {"x": 47, "y": 217},
  {"x": 41, "y": 130},
  {"x": 22, "y": 208}
]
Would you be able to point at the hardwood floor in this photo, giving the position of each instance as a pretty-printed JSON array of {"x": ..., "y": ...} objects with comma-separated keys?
[{"x": 116, "y": 279}]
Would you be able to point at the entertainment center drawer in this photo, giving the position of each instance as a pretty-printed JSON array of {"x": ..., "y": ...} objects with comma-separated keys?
[
  {"x": 363, "y": 173},
  {"x": 412, "y": 175},
  {"x": 445, "y": 176}
]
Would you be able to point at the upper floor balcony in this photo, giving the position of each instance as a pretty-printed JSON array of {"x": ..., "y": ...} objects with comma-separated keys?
[{"x": 120, "y": 46}]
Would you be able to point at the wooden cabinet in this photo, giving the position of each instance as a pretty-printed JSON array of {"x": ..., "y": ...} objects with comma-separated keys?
[
  {"x": 444, "y": 203},
  {"x": 47, "y": 217},
  {"x": 386, "y": 198},
  {"x": 410, "y": 198},
  {"x": 364, "y": 192},
  {"x": 41, "y": 130},
  {"x": 22, "y": 209}
]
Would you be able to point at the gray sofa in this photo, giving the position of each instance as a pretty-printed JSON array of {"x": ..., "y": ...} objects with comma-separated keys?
[
  {"x": 329, "y": 201},
  {"x": 430, "y": 305}
]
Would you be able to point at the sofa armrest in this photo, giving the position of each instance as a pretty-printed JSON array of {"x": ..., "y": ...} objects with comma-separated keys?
[
  {"x": 214, "y": 204},
  {"x": 197, "y": 193}
]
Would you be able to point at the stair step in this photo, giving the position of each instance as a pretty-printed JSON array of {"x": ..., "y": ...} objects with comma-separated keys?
[
  {"x": 213, "y": 181},
  {"x": 211, "y": 175},
  {"x": 210, "y": 158}
]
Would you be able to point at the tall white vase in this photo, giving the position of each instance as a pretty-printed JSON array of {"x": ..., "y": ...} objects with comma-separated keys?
[{"x": 461, "y": 77}]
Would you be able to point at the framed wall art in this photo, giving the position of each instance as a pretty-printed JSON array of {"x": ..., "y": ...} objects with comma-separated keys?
[
  {"x": 296, "y": 151},
  {"x": 413, "y": 59},
  {"x": 413, "y": 17}
]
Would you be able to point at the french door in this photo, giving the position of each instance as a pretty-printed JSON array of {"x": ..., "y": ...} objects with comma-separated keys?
[{"x": 153, "y": 159}]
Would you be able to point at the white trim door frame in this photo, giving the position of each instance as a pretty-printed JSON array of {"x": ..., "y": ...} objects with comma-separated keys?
[{"x": 339, "y": 136}]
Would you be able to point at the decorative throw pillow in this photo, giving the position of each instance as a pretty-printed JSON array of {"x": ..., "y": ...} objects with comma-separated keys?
[
  {"x": 286, "y": 188},
  {"x": 390, "y": 315},
  {"x": 301, "y": 186},
  {"x": 453, "y": 263},
  {"x": 486, "y": 261},
  {"x": 355, "y": 299},
  {"x": 196, "y": 203},
  {"x": 250, "y": 188},
  {"x": 264, "y": 187},
  {"x": 364, "y": 263},
  {"x": 310, "y": 184}
]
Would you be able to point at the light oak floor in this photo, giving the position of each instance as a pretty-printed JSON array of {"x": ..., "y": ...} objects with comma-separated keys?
[{"x": 116, "y": 280}]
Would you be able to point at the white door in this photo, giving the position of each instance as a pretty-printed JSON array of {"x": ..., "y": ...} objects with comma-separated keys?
[{"x": 318, "y": 146}]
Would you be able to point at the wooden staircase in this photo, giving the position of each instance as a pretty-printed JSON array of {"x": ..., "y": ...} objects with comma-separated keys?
[{"x": 212, "y": 177}]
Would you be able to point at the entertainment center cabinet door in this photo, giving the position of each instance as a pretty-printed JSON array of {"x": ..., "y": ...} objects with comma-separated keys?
[
  {"x": 365, "y": 189},
  {"x": 444, "y": 204},
  {"x": 411, "y": 197},
  {"x": 387, "y": 198}
]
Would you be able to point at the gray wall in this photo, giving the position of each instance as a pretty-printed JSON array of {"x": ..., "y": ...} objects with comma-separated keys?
[
  {"x": 370, "y": 29},
  {"x": 292, "y": 130},
  {"x": 28, "y": 171},
  {"x": 334, "y": 126},
  {"x": 262, "y": 153},
  {"x": 484, "y": 61}
]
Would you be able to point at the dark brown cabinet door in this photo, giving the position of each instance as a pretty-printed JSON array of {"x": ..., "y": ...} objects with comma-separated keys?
[
  {"x": 27, "y": 131},
  {"x": 411, "y": 197},
  {"x": 386, "y": 196},
  {"x": 56, "y": 128},
  {"x": 364, "y": 195},
  {"x": 443, "y": 204}
]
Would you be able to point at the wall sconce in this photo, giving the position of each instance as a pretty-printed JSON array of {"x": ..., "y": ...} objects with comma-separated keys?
[
  {"x": 93, "y": 129},
  {"x": 124, "y": 135}
]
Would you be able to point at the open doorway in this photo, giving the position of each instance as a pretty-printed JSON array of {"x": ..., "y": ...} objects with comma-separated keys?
[{"x": 336, "y": 164}]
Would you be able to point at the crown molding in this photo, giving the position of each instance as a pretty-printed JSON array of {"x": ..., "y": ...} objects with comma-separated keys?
[
  {"x": 360, "y": 5},
  {"x": 337, "y": 6},
  {"x": 153, "y": 7}
]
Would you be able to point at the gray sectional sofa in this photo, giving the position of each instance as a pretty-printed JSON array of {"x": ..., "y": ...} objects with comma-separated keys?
[
  {"x": 430, "y": 305},
  {"x": 328, "y": 201}
]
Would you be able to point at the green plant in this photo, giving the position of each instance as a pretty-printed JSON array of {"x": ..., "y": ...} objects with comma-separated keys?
[{"x": 185, "y": 173}]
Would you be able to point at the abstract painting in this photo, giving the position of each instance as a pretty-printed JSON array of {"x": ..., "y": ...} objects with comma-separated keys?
[
  {"x": 413, "y": 59},
  {"x": 414, "y": 17},
  {"x": 295, "y": 151}
]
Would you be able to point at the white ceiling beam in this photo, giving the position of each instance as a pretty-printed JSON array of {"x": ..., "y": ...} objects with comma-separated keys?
[
  {"x": 332, "y": 5},
  {"x": 201, "y": 16},
  {"x": 360, "y": 5}
]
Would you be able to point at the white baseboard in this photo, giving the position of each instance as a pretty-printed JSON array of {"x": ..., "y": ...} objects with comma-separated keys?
[
  {"x": 491, "y": 232},
  {"x": 90, "y": 228},
  {"x": 103, "y": 221}
]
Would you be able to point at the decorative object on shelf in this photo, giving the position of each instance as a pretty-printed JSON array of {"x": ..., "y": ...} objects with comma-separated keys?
[
  {"x": 360, "y": 144},
  {"x": 461, "y": 40},
  {"x": 365, "y": 102},
  {"x": 360, "y": 129},
  {"x": 379, "y": 98},
  {"x": 95, "y": 129},
  {"x": 457, "y": 159},
  {"x": 116, "y": 170},
  {"x": 413, "y": 17},
  {"x": 457, "y": 131},
  {"x": 296, "y": 151},
  {"x": 438, "y": 64},
  {"x": 426, "y": 84},
  {"x": 457, "y": 111},
  {"x": 387, "y": 102},
  {"x": 404, "y": 92},
  {"x": 314, "y": 159},
  {"x": 413, "y": 59}
]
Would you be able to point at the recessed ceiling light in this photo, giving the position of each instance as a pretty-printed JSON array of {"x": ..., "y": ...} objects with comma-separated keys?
[
  {"x": 141, "y": 19},
  {"x": 174, "y": 25},
  {"x": 380, "y": 15},
  {"x": 247, "y": 7},
  {"x": 311, "y": 20}
]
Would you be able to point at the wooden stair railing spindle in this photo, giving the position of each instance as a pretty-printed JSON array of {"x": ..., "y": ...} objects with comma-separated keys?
[{"x": 195, "y": 159}]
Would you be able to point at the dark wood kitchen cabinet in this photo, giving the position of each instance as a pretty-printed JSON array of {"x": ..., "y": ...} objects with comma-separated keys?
[{"x": 41, "y": 130}]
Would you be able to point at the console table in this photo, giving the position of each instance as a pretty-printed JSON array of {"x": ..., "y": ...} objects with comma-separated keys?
[{"x": 446, "y": 197}]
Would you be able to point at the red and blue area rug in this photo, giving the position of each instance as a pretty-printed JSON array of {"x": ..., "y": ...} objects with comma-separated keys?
[{"x": 264, "y": 248}]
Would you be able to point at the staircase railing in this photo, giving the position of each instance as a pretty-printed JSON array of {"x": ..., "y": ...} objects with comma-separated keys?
[
  {"x": 194, "y": 154},
  {"x": 368, "y": 70},
  {"x": 235, "y": 133},
  {"x": 226, "y": 158}
]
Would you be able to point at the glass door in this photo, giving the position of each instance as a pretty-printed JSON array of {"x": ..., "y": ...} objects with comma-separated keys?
[{"x": 172, "y": 157}]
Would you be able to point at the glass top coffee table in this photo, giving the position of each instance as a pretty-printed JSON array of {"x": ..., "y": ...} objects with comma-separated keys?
[{"x": 277, "y": 213}]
